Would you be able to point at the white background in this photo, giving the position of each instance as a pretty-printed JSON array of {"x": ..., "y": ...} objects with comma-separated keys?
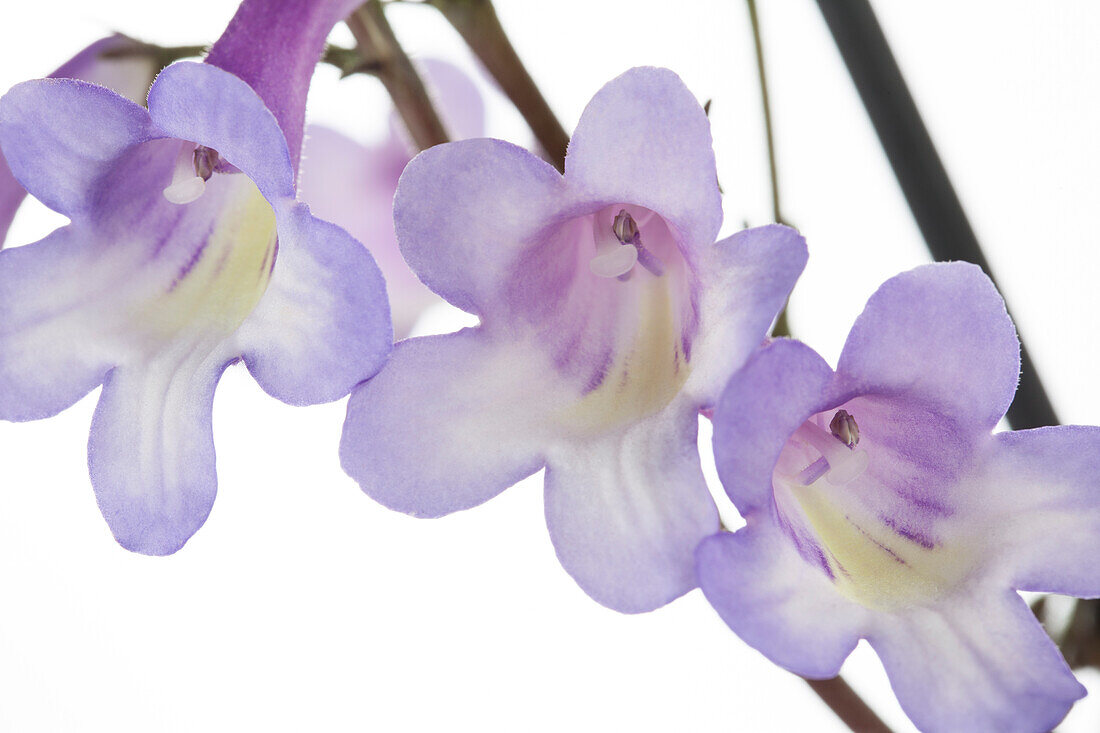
[{"x": 302, "y": 605}]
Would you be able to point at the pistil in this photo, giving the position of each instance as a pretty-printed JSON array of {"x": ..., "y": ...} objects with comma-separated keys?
[{"x": 618, "y": 261}]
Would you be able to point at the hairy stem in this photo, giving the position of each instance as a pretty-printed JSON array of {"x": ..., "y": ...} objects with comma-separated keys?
[
  {"x": 477, "y": 22},
  {"x": 378, "y": 47}
]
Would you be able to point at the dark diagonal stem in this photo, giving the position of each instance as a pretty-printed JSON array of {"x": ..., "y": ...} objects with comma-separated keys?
[
  {"x": 379, "y": 47},
  {"x": 918, "y": 168},
  {"x": 477, "y": 22},
  {"x": 766, "y": 104},
  {"x": 848, "y": 706}
]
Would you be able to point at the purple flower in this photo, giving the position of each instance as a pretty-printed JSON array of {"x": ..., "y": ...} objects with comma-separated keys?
[
  {"x": 880, "y": 506},
  {"x": 130, "y": 76},
  {"x": 186, "y": 252},
  {"x": 608, "y": 319},
  {"x": 353, "y": 186}
]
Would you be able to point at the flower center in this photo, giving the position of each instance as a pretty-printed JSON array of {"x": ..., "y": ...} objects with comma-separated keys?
[
  {"x": 617, "y": 254},
  {"x": 195, "y": 164},
  {"x": 840, "y": 461},
  {"x": 843, "y": 499}
]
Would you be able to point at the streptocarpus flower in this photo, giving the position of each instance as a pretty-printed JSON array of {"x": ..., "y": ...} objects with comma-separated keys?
[
  {"x": 608, "y": 319},
  {"x": 128, "y": 75},
  {"x": 879, "y": 505},
  {"x": 187, "y": 251},
  {"x": 353, "y": 185}
]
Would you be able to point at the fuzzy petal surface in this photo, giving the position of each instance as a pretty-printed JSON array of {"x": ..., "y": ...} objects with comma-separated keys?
[
  {"x": 778, "y": 603},
  {"x": 323, "y": 325},
  {"x": 626, "y": 511},
  {"x": 450, "y": 422},
  {"x": 644, "y": 139},
  {"x": 465, "y": 214},
  {"x": 975, "y": 662},
  {"x": 938, "y": 332}
]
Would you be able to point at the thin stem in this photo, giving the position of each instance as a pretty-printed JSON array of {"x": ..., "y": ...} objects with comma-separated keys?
[
  {"x": 477, "y": 22},
  {"x": 378, "y": 46},
  {"x": 848, "y": 706},
  {"x": 756, "y": 39}
]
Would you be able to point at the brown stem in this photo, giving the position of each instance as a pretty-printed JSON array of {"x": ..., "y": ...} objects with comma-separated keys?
[
  {"x": 380, "y": 49},
  {"x": 477, "y": 22},
  {"x": 848, "y": 706},
  {"x": 754, "y": 20}
]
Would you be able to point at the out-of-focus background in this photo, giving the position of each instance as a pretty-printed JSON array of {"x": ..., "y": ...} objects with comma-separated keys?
[{"x": 302, "y": 605}]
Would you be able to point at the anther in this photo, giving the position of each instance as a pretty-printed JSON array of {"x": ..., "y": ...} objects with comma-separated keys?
[
  {"x": 844, "y": 427},
  {"x": 840, "y": 461},
  {"x": 194, "y": 167}
]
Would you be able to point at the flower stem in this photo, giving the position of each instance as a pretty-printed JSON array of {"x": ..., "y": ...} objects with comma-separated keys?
[
  {"x": 848, "y": 706},
  {"x": 379, "y": 48},
  {"x": 754, "y": 19},
  {"x": 477, "y": 22}
]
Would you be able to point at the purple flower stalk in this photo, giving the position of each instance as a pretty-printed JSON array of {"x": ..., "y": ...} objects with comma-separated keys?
[
  {"x": 587, "y": 361},
  {"x": 187, "y": 251},
  {"x": 130, "y": 76},
  {"x": 879, "y": 505},
  {"x": 352, "y": 185}
]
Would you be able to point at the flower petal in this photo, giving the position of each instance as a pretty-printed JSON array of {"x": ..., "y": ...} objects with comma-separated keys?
[
  {"x": 52, "y": 350},
  {"x": 763, "y": 404},
  {"x": 449, "y": 423},
  {"x": 11, "y": 196},
  {"x": 323, "y": 325},
  {"x": 969, "y": 664},
  {"x": 274, "y": 47},
  {"x": 939, "y": 332},
  {"x": 777, "y": 602},
  {"x": 467, "y": 211},
  {"x": 746, "y": 281},
  {"x": 60, "y": 137},
  {"x": 209, "y": 106},
  {"x": 151, "y": 450},
  {"x": 626, "y": 511},
  {"x": 128, "y": 74},
  {"x": 456, "y": 97},
  {"x": 353, "y": 186},
  {"x": 645, "y": 140},
  {"x": 1038, "y": 509}
]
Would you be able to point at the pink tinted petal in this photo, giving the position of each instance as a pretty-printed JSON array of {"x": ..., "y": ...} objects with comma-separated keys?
[
  {"x": 129, "y": 75},
  {"x": 938, "y": 333},
  {"x": 353, "y": 186},
  {"x": 626, "y": 511},
  {"x": 151, "y": 450},
  {"x": 449, "y": 423},
  {"x": 203, "y": 104},
  {"x": 762, "y": 405},
  {"x": 746, "y": 279},
  {"x": 60, "y": 137},
  {"x": 467, "y": 212},
  {"x": 777, "y": 602},
  {"x": 274, "y": 46},
  {"x": 456, "y": 97},
  {"x": 975, "y": 663},
  {"x": 323, "y": 324},
  {"x": 1036, "y": 509},
  {"x": 644, "y": 139}
]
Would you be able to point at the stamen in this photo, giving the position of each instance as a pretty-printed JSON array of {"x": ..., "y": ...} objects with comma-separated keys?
[
  {"x": 194, "y": 167},
  {"x": 844, "y": 427},
  {"x": 618, "y": 262},
  {"x": 840, "y": 461}
]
